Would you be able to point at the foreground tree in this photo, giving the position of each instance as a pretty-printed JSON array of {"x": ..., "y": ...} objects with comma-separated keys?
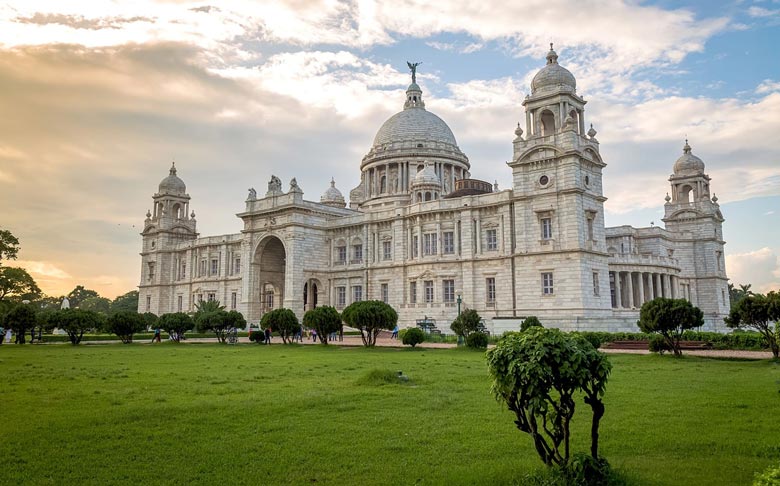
[
  {"x": 20, "y": 319},
  {"x": 281, "y": 321},
  {"x": 176, "y": 324},
  {"x": 125, "y": 324},
  {"x": 759, "y": 313},
  {"x": 213, "y": 321},
  {"x": 76, "y": 322},
  {"x": 17, "y": 285},
  {"x": 537, "y": 373},
  {"x": 670, "y": 318},
  {"x": 467, "y": 322},
  {"x": 370, "y": 317},
  {"x": 325, "y": 320},
  {"x": 126, "y": 302}
]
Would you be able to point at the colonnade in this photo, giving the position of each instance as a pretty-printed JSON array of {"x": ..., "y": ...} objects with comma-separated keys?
[
  {"x": 632, "y": 289},
  {"x": 404, "y": 173}
]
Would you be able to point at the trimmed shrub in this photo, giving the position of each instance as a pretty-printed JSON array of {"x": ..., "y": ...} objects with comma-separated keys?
[
  {"x": 257, "y": 336},
  {"x": 325, "y": 320},
  {"x": 584, "y": 470},
  {"x": 282, "y": 321},
  {"x": 370, "y": 317},
  {"x": 126, "y": 323},
  {"x": 467, "y": 322},
  {"x": 477, "y": 340},
  {"x": 176, "y": 324},
  {"x": 670, "y": 318},
  {"x": 529, "y": 322},
  {"x": 770, "y": 477},
  {"x": 658, "y": 344},
  {"x": 413, "y": 336}
]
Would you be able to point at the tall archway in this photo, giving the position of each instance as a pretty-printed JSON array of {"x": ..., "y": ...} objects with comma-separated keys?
[
  {"x": 548, "y": 123},
  {"x": 269, "y": 263}
]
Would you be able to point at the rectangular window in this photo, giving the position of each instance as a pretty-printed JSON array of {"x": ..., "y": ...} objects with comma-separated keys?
[
  {"x": 429, "y": 244},
  {"x": 491, "y": 238},
  {"x": 214, "y": 266},
  {"x": 183, "y": 273},
  {"x": 415, "y": 246},
  {"x": 385, "y": 291},
  {"x": 341, "y": 296},
  {"x": 151, "y": 270},
  {"x": 386, "y": 250},
  {"x": 148, "y": 303},
  {"x": 233, "y": 299},
  {"x": 595, "y": 283},
  {"x": 448, "y": 291},
  {"x": 237, "y": 265},
  {"x": 412, "y": 292},
  {"x": 428, "y": 289},
  {"x": 179, "y": 303},
  {"x": 202, "y": 268},
  {"x": 547, "y": 283},
  {"x": 341, "y": 254},
  {"x": 357, "y": 293},
  {"x": 212, "y": 297},
  {"x": 590, "y": 229},
  {"x": 490, "y": 290},
  {"x": 448, "y": 242},
  {"x": 718, "y": 258},
  {"x": 546, "y": 228},
  {"x": 357, "y": 253}
]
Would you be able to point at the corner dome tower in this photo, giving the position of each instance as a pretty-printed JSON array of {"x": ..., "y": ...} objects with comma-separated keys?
[
  {"x": 400, "y": 150},
  {"x": 333, "y": 197},
  {"x": 553, "y": 77},
  {"x": 172, "y": 184},
  {"x": 688, "y": 164}
]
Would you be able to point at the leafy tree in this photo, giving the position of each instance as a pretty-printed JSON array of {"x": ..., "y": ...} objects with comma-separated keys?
[
  {"x": 214, "y": 321},
  {"x": 758, "y": 312},
  {"x": 413, "y": 336},
  {"x": 20, "y": 319},
  {"x": 529, "y": 322},
  {"x": 76, "y": 322},
  {"x": 9, "y": 245},
  {"x": 477, "y": 340},
  {"x": 176, "y": 324},
  {"x": 48, "y": 302},
  {"x": 97, "y": 304},
  {"x": 467, "y": 322},
  {"x": 537, "y": 373},
  {"x": 738, "y": 293},
  {"x": 282, "y": 321},
  {"x": 670, "y": 318},
  {"x": 17, "y": 285},
  {"x": 208, "y": 306},
  {"x": 324, "y": 320},
  {"x": 370, "y": 317},
  {"x": 126, "y": 302},
  {"x": 79, "y": 294},
  {"x": 125, "y": 323},
  {"x": 150, "y": 319},
  {"x": 236, "y": 319}
]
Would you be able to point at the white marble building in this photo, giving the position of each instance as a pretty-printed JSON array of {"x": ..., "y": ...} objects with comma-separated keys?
[{"x": 419, "y": 232}]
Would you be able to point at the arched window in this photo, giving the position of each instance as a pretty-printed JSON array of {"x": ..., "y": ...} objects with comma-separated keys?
[
  {"x": 177, "y": 211},
  {"x": 427, "y": 196},
  {"x": 686, "y": 193},
  {"x": 575, "y": 116},
  {"x": 383, "y": 185},
  {"x": 548, "y": 123}
]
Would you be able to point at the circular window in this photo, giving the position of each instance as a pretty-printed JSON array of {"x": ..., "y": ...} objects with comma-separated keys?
[
  {"x": 544, "y": 180},
  {"x": 587, "y": 180}
]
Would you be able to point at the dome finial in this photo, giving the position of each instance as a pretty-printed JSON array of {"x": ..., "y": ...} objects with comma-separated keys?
[
  {"x": 552, "y": 56},
  {"x": 173, "y": 168},
  {"x": 332, "y": 182},
  {"x": 686, "y": 147}
]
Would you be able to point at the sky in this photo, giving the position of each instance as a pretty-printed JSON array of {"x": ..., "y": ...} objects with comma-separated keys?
[{"x": 97, "y": 98}]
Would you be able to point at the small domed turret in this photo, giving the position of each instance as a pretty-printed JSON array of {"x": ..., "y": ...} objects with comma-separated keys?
[
  {"x": 172, "y": 184},
  {"x": 553, "y": 76},
  {"x": 427, "y": 176},
  {"x": 333, "y": 197},
  {"x": 688, "y": 164}
]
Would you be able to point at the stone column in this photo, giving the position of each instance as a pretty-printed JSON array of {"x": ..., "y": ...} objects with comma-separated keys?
[
  {"x": 478, "y": 234},
  {"x": 439, "y": 242},
  {"x": 659, "y": 291},
  {"x": 581, "y": 119},
  {"x": 528, "y": 127},
  {"x": 618, "y": 289},
  {"x": 667, "y": 286},
  {"x": 630, "y": 283},
  {"x": 641, "y": 279},
  {"x": 452, "y": 178}
]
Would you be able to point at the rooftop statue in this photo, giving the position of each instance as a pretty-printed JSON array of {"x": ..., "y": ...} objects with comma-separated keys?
[{"x": 413, "y": 68}]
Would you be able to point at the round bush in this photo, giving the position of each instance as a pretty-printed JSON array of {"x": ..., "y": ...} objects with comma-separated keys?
[
  {"x": 413, "y": 337},
  {"x": 529, "y": 322},
  {"x": 770, "y": 477},
  {"x": 658, "y": 344},
  {"x": 478, "y": 340}
]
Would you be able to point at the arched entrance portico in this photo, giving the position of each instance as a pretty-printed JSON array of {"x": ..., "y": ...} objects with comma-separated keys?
[
  {"x": 269, "y": 263},
  {"x": 312, "y": 294}
]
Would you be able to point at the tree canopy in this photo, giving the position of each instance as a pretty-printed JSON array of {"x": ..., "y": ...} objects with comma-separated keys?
[
  {"x": 670, "y": 318},
  {"x": 282, "y": 321},
  {"x": 125, "y": 324},
  {"x": 79, "y": 294},
  {"x": 176, "y": 324},
  {"x": 20, "y": 319},
  {"x": 370, "y": 317},
  {"x": 126, "y": 302},
  {"x": 17, "y": 285},
  {"x": 97, "y": 304},
  {"x": 537, "y": 373},
  {"x": 759, "y": 312},
  {"x": 324, "y": 320},
  {"x": 9, "y": 245},
  {"x": 467, "y": 322},
  {"x": 76, "y": 322}
]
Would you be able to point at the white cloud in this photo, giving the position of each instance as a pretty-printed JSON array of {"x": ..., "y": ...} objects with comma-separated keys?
[
  {"x": 761, "y": 12},
  {"x": 761, "y": 268},
  {"x": 768, "y": 86},
  {"x": 45, "y": 270}
]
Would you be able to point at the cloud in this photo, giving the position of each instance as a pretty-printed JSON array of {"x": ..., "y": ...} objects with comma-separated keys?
[
  {"x": 768, "y": 86},
  {"x": 761, "y": 268}
]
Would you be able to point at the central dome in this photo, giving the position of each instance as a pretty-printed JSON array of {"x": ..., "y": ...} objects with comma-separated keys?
[{"x": 414, "y": 125}]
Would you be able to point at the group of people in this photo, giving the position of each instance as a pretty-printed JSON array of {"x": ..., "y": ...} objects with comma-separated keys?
[{"x": 299, "y": 336}]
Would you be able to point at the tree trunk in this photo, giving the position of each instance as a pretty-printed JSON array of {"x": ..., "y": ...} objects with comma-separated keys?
[{"x": 598, "y": 411}]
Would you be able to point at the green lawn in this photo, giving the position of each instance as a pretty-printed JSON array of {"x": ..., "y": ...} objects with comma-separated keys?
[{"x": 249, "y": 414}]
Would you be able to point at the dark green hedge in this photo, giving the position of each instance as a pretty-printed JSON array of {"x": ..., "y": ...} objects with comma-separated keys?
[{"x": 751, "y": 341}]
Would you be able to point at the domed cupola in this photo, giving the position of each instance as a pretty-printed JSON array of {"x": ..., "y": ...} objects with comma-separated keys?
[
  {"x": 688, "y": 164},
  {"x": 426, "y": 185},
  {"x": 402, "y": 145},
  {"x": 553, "y": 77},
  {"x": 333, "y": 197},
  {"x": 172, "y": 184}
]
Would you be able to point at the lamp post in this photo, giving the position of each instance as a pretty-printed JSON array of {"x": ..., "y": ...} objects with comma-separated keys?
[{"x": 459, "y": 300}]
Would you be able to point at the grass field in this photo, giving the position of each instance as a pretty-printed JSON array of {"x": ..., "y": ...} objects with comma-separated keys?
[{"x": 249, "y": 414}]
